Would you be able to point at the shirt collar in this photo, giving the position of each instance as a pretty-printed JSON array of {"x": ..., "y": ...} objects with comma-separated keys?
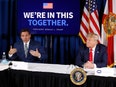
[
  {"x": 93, "y": 49},
  {"x": 27, "y": 43}
]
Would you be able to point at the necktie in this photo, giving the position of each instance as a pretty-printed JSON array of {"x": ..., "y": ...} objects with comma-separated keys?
[
  {"x": 90, "y": 55},
  {"x": 26, "y": 49}
]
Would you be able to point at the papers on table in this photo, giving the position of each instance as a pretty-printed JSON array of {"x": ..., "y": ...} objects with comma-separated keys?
[
  {"x": 42, "y": 67},
  {"x": 90, "y": 71},
  {"x": 107, "y": 72},
  {"x": 19, "y": 65}
]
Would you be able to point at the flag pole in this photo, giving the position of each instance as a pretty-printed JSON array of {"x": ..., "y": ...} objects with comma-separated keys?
[{"x": 89, "y": 16}]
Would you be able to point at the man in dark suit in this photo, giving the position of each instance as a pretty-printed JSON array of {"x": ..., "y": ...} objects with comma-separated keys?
[
  {"x": 27, "y": 50},
  {"x": 99, "y": 53}
]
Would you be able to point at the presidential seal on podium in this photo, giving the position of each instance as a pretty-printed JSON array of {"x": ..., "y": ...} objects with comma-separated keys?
[{"x": 78, "y": 76}]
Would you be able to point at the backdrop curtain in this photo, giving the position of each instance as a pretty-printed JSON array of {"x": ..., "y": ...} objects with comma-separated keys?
[{"x": 61, "y": 49}]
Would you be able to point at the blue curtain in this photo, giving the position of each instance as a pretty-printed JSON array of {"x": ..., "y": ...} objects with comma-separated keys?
[
  {"x": 7, "y": 23},
  {"x": 60, "y": 49}
]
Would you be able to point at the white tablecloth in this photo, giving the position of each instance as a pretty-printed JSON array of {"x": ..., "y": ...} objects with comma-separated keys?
[
  {"x": 43, "y": 67},
  {"x": 3, "y": 66},
  {"x": 57, "y": 68}
]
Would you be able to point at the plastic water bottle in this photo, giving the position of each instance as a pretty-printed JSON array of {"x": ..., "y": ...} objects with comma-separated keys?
[
  {"x": 4, "y": 60},
  {"x": 3, "y": 56}
]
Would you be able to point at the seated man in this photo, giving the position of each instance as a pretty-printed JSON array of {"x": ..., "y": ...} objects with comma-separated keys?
[
  {"x": 27, "y": 50},
  {"x": 92, "y": 54}
]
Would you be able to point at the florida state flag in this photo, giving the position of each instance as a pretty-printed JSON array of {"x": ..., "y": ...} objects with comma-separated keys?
[{"x": 109, "y": 30}]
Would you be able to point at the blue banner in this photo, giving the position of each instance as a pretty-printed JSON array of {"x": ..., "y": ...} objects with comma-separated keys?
[{"x": 49, "y": 17}]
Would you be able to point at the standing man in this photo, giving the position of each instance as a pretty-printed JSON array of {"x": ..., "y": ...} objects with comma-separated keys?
[
  {"x": 27, "y": 50},
  {"x": 93, "y": 54}
]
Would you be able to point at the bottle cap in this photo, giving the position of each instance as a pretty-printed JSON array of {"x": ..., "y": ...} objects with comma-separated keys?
[{"x": 3, "y": 52}]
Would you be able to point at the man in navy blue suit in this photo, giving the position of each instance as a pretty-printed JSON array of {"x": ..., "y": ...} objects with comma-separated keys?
[
  {"x": 27, "y": 50},
  {"x": 99, "y": 53}
]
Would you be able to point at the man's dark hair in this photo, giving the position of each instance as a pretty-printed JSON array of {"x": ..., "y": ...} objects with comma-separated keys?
[{"x": 25, "y": 30}]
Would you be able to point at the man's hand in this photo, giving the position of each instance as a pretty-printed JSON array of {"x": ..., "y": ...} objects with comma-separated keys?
[
  {"x": 35, "y": 53},
  {"x": 12, "y": 50},
  {"x": 88, "y": 65}
]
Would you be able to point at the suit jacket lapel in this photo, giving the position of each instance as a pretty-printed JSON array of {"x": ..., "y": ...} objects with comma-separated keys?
[
  {"x": 86, "y": 54},
  {"x": 96, "y": 53},
  {"x": 22, "y": 49},
  {"x": 30, "y": 44}
]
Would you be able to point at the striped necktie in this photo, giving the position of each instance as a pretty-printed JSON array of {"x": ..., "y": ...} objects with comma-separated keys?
[{"x": 26, "y": 50}]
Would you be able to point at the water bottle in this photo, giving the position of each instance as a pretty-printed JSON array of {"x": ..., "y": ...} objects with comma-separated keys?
[
  {"x": 4, "y": 60},
  {"x": 3, "y": 56}
]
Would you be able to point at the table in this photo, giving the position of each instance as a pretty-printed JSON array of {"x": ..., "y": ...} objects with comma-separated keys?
[
  {"x": 4, "y": 78},
  {"x": 20, "y": 78},
  {"x": 27, "y": 78}
]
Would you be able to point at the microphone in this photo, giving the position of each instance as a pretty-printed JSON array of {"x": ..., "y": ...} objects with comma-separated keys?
[{"x": 10, "y": 64}]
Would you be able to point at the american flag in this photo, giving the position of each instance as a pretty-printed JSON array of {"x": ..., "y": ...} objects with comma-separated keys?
[
  {"x": 90, "y": 20},
  {"x": 47, "y": 5}
]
